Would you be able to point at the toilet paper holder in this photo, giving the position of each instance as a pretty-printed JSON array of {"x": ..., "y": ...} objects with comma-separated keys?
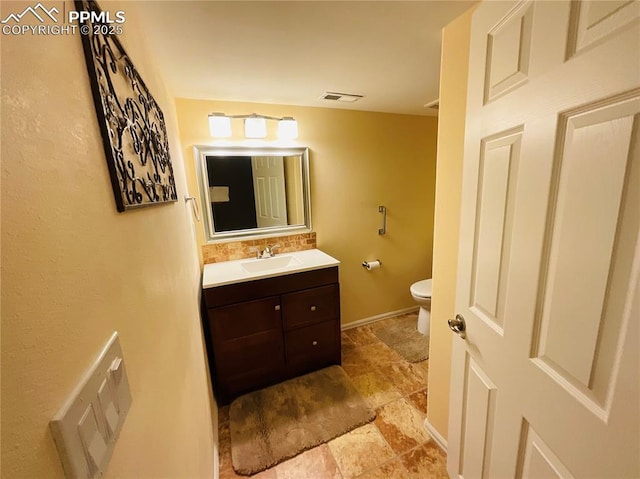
[{"x": 373, "y": 264}]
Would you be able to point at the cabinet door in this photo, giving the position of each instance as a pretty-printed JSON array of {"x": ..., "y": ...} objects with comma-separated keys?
[
  {"x": 310, "y": 306},
  {"x": 248, "y": 345},
  {"x": 313, "y": 347}
]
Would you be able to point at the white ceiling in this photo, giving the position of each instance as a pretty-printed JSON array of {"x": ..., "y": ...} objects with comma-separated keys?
[{"x": 291, "y": 52}]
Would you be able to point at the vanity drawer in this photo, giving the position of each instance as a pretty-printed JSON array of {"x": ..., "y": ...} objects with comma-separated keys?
[
  {"x": 310, "y": 306},
  {"x": 245, "y": 319},
  {"x": 313, "y": 347}
]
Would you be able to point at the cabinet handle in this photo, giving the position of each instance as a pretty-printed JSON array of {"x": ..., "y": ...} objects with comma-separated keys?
[
  {"x": 313, "y": 308},
  {"x": 277, "y": 308},
  {"x": 314, "y": 343}
]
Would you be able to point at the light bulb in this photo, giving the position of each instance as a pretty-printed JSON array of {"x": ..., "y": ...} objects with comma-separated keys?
[
  {"x": 219, "y": 125},
  {"x": 255, "y": 127},
  {"x": 287, "y": 128}
]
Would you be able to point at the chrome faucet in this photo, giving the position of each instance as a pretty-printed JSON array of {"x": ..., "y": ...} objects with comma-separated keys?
[{"x": 269, "y": 251}]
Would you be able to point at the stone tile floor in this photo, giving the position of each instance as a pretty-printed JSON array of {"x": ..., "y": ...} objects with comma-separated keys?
[{"x": 394, "y": 446}]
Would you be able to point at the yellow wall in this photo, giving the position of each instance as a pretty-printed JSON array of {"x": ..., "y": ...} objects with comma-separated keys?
[
  {"x": 453, "y": 97},
  {"x": 359, "y": 160},
  {"x": 74, "y": 270}
]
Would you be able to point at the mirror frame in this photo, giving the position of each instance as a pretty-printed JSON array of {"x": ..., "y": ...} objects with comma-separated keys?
[{"x": 200, "y": 154}]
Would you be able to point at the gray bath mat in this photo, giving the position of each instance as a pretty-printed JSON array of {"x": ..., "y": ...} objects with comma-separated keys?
[
  {"x": 276, "y": 423},
  {"x": 401, "y": 335}
]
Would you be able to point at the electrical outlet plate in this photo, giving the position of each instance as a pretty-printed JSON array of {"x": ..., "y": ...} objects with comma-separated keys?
[{"x": 87, "y": 426}]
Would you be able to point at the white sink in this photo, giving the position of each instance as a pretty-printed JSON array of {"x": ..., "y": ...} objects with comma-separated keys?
[
  {"x": 240, "y": 270},
  {"x": 270, "y": 264}
]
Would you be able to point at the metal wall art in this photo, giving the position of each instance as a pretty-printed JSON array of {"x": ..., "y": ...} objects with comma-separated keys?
[{"x": 133, "y": 130}]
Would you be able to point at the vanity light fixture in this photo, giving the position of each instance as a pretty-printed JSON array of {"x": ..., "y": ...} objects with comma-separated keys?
[
  {"x": 219, "y": 125},
  {"x": 255, "y": 126},
  {"x": 287, "y": 128}
]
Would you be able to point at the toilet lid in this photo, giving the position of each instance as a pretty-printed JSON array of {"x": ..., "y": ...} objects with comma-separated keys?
[{"x": 421, "y": 288}]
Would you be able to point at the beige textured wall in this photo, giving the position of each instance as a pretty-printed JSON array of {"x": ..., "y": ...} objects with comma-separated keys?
[
  {"x": 359, "y": 160},
  {"x": 74, "y": 270},
  {"x": 453, "y": 97}
]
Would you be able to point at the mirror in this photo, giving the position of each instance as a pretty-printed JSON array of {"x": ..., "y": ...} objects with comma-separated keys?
[{"x": 250, "y": 191}]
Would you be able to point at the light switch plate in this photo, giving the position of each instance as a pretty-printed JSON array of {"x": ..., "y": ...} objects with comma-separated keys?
[{"x": 87, "y": 426}]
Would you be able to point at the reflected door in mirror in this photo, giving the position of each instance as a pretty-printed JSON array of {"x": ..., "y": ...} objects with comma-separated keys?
[{"x": 269, "y": 189}]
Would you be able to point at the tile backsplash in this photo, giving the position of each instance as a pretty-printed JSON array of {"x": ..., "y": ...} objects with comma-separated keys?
[{"x": 216, "y": 252}]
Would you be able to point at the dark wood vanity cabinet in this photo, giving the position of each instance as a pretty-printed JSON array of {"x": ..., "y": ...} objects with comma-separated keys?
[{"x": 265, "y": 331}]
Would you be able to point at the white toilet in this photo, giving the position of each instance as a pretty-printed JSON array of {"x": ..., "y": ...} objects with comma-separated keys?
[{"x": 421, "y": 292}]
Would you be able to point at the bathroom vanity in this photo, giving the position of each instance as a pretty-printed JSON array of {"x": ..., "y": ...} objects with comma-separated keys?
[{"x": 267, "y": 320}]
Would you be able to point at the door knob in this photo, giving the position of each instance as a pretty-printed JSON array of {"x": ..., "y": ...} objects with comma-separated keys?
[
  {"x": 313, "y": 308},
  {"x": 458, "y": 325}
]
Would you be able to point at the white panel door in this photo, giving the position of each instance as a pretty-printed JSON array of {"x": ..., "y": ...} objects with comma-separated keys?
[
  {"x": 545, "y": 377},
  {"x": 269, "y": 190}
]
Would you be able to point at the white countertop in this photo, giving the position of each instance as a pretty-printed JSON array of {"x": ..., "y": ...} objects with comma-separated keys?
[{"x": 230, "y": 272}]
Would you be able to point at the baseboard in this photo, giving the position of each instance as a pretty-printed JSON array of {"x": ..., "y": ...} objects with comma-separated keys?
[
  {"x": 378, "y": 317},
  {"x": 435, "y": 435}
]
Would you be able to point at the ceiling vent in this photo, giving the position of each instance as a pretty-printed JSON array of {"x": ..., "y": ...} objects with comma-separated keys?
[
  {"x": 344, "y": 97},
  {"x": 434, "y": 105}
]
